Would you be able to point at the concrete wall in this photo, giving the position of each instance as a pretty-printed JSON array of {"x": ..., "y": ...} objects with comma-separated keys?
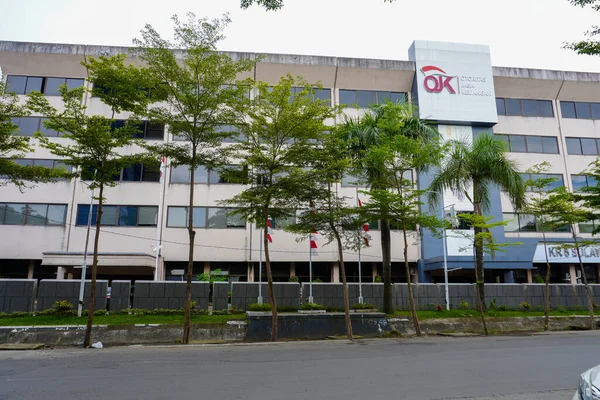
[
  {"x": 150, "y": 295},
  {"x": 120, "y": 295},
  {"x": 220, "y": 295},
  {"x": 246, "y": 293},
  {"x": 51, "y": 290},
  {"x": 331, "y": 294},
  {"x": 17, "y": 295}
]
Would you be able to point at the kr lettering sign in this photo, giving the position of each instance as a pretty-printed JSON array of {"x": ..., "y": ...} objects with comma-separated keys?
[{"x": 557, "y": 254}]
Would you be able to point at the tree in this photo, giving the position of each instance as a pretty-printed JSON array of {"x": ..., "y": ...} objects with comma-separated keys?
[
  {"x": 329, "y": 214},
  {"x": 365, "y": 133},
  {"x": 13, "y": 147},
  {"x": 592, "y": 45},
  {"x": 95, "y": 148},
  {"x": 198, "y": 94},
  {"x": 400, "y": 155},
  {"x": 540, "y": 206},
  {"x": 273, "y": 5},
  {"x": 470, "y": 171},
  {"x": 280, "y": 136},
  {"x": 566, "y": 210}
]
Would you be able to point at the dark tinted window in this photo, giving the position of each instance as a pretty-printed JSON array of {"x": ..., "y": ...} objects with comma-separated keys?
[
  {"x": 128, "y": 215},
  {"x": 567, "y": 109},
  {"x": 132, "y": 173},
  {"x": 32, "y": 214},
  {"x": 578, "y": 182},
  {"x": 505, "y": 139},
  {"x": 546, "y": 108},
  {"x": 364, "y": 98},
  {"x": 323, "y": 94},
  {"x": 28, "y": 125},
  {"x": 16, "y": 84},
  {"x": 583, "y": 110},
  {"x": 52, "y": 86},
  {"x": 588, "y": 146},
  {"x": 513, "y": 107},
  {"x": 500, "y": 107},
  {"x": 34, "y": 84},
  {"x": 573, "y": 146},
  {"x": 118, "y": 215},
  {"x": 73, "y": 83},
  {"x": 596, "y": 110},
  {"x": 531, "y": 108},
  {"x": 347, "y": 97},
  {"x": 517, "y": 144},
  {"x": 534, "y": 144},
  {"x": 550, "y": 145}
]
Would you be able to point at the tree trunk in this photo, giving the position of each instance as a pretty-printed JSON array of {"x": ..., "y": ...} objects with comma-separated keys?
[
  {"x": 480, "y": 305},
  {"x": 270, "y": 277},
  {"x": 344, "y": 285},
  {"x": 187, "y": 325},
  {"x": 386, "y": 259},
  {"x": 411, "y": 298},
  {"x": 588, "y": 293},
  {"x": 92, "y": 307},
  {"x": 479, "y": 267},
  {"x": 547, "y": 284}
]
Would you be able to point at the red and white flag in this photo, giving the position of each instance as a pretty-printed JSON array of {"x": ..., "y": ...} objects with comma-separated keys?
[
  {"x": 162, "y": 168},
  {"x": 269, "y": 229},
  {"x": 365, "y": 228},
  {"x": 313, "y": 235}
]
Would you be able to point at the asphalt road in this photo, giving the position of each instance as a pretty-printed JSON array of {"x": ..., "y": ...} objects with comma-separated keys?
[{"x": 502, "y": 368}]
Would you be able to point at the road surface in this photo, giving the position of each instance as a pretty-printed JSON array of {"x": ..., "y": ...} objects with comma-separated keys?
[{"x": 501, "y": 368}]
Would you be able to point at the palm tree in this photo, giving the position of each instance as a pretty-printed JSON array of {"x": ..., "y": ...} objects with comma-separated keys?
[
  {"x": 362, "y": 134},
  {"x": 470, "y": 171}
]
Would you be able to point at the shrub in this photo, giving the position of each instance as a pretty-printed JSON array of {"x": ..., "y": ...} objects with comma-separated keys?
[
  {"x": 493, "y": 306},
  {"x": 334, "y": 309},
  {"x": 287, "y": 309},
  {"x": 311, "y": 306},
  {"x": 561, "y": 309},
  {"x": 464, "y": 305},
  {"x": 525, "y": 306},
  {"x": 16, "y": 314},
  {"x": 193, "y": 305},
  {"x": 62, "y": 306},
  {"x": 595, "y": 305},
  {"x": 362, "y": 306},
  {"x": 439, "y": 308},
  {"x": 214, "y": 276},
  {"x": 378, "y": 279},
  {"x": 219, "y": 312},
  {"x": 259, "y": 307},
  {"x": 539, "y": 279},
  {"x": 503, "y": 307},
  {"x": 293, "y": 279},
  {"x": 317, "y": 280}
]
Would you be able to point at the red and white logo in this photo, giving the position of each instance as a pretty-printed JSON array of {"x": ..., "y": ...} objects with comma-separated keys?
[{"x": 436, "y": 80}]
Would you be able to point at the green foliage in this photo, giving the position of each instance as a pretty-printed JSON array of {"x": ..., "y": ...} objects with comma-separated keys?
[
  {"x": 287, "y": 309},
  {"x": 219, "y": 312},
  {"x": 293, "y": 279},
  {"x": 311, "y": 306},
  {"x": 214, "y": 276},
  {"x": 561, "y": 309},
  {"x": 362, "y": 306},
  {"x": 525, "y": 306},
  {"x": 483, "y": 237},
  {"x": 317, "y": 280},
  {"x": 590, "y": 46},
  {"x": 539, "y": 279},
  {"x": 234, "y": 310},
  {"x": 193, "y": 304},
  {"x": 377, "y": 279},
  {"x": 274, "y": 5},
  {"x": 493, "y": 305},
  {"x": 61, "y": 306},
  {"x": 464, "y": 305},
  {"x": 259, "y": 307}
]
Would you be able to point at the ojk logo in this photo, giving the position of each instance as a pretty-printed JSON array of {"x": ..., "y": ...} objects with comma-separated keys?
[{"x": 436, "y": 80}]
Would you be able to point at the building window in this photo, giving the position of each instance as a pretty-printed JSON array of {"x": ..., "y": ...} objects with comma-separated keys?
[
  {"x": 530, "y": 144},
  {"x": 204, "y": 217},
  {"x": 47, "y": 85},
  {"x": 524, "y": 107},
  {"x": 233, "y": 174},
  {"x": 589, "y": 226},
  {"x": 559, "y": 182},
  {"x": 119, "y": 215},
  {"x": 238, "y": 137},
  {"x": 146, "y": 130},
  {"x": 40, "y": 163},
  {"x": 583, "y": 146},
  {"x": 580, "y": 110},
  {"x": 30, "y": 125},
  {"x": 32, "y": 214},
  {"x": 319, "y": 94},
  {"x": 517, "y": 222},
  {"x": 365, "y": 98},
  {"x": 581, "y": 181}
]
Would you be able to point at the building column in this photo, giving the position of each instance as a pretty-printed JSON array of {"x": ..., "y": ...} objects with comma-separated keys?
[
  {"x": 60, "y": 273},
  {"x": 374, "y": 269},
  {"x": 30, "y": 270},
  {"x": 335, "y": 272},
  {"x": 509, "y": 277},
  {"x": 529, "y": 276},
  {"x": 250, "y": 272},
  {"x": 70, "y": 276},
  {"x": 292, "y": 269},
  {"x": 572, "y": 275},
  {"x": 207, "y": 268}
]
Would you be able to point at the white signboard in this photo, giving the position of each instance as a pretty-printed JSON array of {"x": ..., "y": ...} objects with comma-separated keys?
[
  {"x": 454, "y": 82},
  {"x": 459, "y": 244},
  {"x": 590, "y": 254}
]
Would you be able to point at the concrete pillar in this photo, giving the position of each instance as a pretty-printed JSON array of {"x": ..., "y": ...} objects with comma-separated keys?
[
  {"x": 207, "y": 268},
  {"x": 70, "y": 276},
  {"x": 374, "y": 269},
  {"x": 335, "y": 273},
  {"x": 250, "y": 272},
  {"x": 573, "y": 275},
  {"x": 60, "y": 273},
  {"x": 292, "y": 269},
  {"x": 509, "y": 277},
  {"x": 529, "y": 276},
  {"x": 30, "y": 270}
]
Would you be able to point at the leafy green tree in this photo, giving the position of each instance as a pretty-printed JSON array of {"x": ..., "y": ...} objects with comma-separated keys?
[
  {"x": 280, "y": 132},
  {"x": 363, "y": 135},
  {"x": 590, "y": 46},
  {"x": 273, "y": 5},
  {"x": 198, "y": 92},
  {"x": 330, "y": 214},
  {"x": 95, "y": 148},
  {"x": 13, "y": 147},
  {"x": 471, "y": 170},
  {"x": 590, "y": 195},
  {"x": 567, "y": 210},
  {"x": 400, "y": 155},
  {"x": 540, "y": 204},
  {"x": 213, "y": 276}
]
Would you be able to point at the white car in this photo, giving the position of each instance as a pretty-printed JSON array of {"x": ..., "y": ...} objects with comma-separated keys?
[{"x": 589, "y": 385}]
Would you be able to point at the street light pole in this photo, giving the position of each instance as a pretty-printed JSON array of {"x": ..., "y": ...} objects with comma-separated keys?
[
  {"x": 445, "y": 258},
  {"x": 84, "y": 263}
]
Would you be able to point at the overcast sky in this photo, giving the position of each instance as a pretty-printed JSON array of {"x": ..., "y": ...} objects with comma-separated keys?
[{"x": 521, "y": 33}]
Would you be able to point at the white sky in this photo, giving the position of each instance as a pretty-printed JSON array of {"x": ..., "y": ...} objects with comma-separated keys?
[{"x": 521, "y": 33}]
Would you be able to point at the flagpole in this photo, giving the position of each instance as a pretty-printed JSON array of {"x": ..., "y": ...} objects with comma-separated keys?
[
  {"x": 360, "y": 296},
  {"x": 260, "y": 299},
  {"x": 159, "y": 217},
  {"x": 310, "y": 278},
  {"x": 85, "y": 251}
]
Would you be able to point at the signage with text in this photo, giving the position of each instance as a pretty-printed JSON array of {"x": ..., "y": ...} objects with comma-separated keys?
[{"x": 557, "y": 254}]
